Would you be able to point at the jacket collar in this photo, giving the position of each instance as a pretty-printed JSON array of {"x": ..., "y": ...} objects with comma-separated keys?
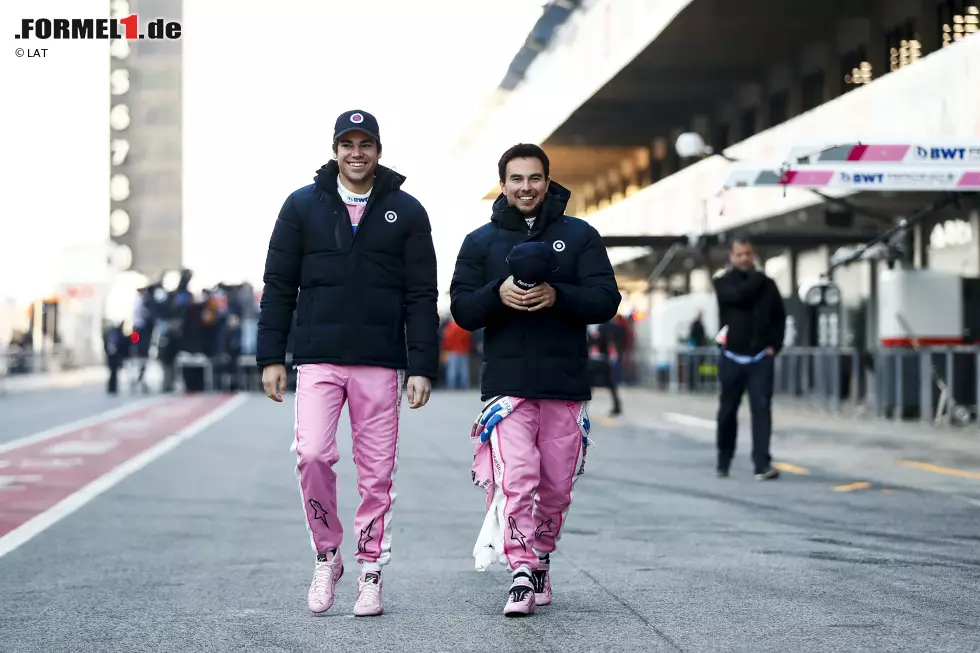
[
  {"x": 385, "y": 180},
  {"x": 551, "y": 209}
]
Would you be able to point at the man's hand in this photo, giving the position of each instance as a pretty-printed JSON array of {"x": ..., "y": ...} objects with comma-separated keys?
[
  {"x": 541, "y": 296},
  {"x": 419, "y": 388},
  {"x": 512, "y": 296},
  {"x": 770, "y": 351},
  {"x": 274, "y": 381}
]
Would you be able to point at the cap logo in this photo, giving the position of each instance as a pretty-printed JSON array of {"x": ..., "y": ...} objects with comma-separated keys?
[
  {"x": 391, "y": 216},
  {"x": 558, "y": 246},
  {"x": 357, "y": 118}
]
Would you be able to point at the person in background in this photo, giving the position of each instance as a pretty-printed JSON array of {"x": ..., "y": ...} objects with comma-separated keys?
[
  {"x": 753, "y": 319},
  {"x": 698, "y": 335},
  {"x": 603, "y": 352},
  {"x": 456, "y": 344},
  {"x": 116, "y": 345}
]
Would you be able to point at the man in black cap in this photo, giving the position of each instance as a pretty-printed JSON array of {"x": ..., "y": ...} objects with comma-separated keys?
[
  {"x": 534, "y": 279},
  {"x": 358, "y": 250}
]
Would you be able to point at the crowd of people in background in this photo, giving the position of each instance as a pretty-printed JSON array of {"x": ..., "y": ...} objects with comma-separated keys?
[
  {"x": 216, "y": 324},
  {"x": 219, "y": 324}
]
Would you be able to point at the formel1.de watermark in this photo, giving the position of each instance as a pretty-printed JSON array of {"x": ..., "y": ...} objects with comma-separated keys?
[{"x": 81, "y": 29}]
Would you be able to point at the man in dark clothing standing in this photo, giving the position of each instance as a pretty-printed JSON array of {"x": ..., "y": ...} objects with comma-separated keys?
[
  {"x": 534, "y": 278},
  {"x": 753, "y": 319},
  {"x": 698, "y": 337},
  {"x": 605, "y": 342},
  {"x": 115, "y": 344}
]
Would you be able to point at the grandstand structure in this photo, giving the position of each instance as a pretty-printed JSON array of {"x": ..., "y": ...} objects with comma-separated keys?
[{"x": 608, "y": 86}]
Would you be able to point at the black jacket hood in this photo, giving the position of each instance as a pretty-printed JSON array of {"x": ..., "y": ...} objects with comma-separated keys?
[
  {"x": 385, "y": 179},
  {"x": 553, "y": 208}
]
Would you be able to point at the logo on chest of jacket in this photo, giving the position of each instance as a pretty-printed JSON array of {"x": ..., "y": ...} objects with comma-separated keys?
[
  {"x": 391, "y": 216},
  {"x": 558, "y": 246}
]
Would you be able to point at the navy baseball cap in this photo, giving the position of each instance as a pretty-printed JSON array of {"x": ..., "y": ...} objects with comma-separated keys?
[
  {"x": 531, "y": 263},
  {"x": 357, "y": 120}
]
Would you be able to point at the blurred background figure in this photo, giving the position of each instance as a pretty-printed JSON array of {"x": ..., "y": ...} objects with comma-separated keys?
[
  {"x": 457, "y": 344},
  {"x": 603, "y": 352},
  {"x": 698, "y": 335},
  {"x": 116, "y": 345}
]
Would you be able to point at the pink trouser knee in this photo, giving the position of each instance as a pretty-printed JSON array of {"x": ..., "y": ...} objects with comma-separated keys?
[
  {"x": 538, "y": 449},
  {"x": 373, "y": 397}
]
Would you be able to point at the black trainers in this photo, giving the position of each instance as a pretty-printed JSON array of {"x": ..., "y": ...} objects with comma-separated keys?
[
  {"x": 768, "y": 475},
  {"x": 722, "y": 473},
  {"x": 541, "y": 579}
]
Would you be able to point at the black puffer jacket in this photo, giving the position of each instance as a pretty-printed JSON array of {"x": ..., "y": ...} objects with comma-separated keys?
[
  {"x": 750, "y": 305},
  {"x": 368, "y": 299},
  {"x": 544, "y": 354}
]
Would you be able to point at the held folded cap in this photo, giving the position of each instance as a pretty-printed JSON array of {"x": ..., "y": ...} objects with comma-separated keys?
[
  {"x": 357, "y": 120},
  {"x": 531, "y": 263}
]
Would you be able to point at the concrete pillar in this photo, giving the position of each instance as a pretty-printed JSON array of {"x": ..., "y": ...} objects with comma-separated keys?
[
  {"x": 701, "y": 124},
  {"x": 659, "y": 161},
  {"x": 724, "y": 120},
  {"x": 630, "y": 168},
  {"x": 579, "y": 202},
  {"x": 665, "y": 145},
  {"x": 878, "y": 55},
  {"x": 852, "y": 34},
  {"x": 872, "y": 330},
  {"x": 779, "y": 81},
  {"x": 794, "y": 270},
  {"x": 641, "y": 165},
  {"x": 602, "y": 192},
  {"x": 927, "y": 23},
  {"x": 617, "y": 185},
  {"x": 814, "y": 61},
  {"x": 749, "y": 99},
  {"x": 921, "y": 234},
  {"x": 589, "y": 194},
  {"x": 795, "y": 89}
]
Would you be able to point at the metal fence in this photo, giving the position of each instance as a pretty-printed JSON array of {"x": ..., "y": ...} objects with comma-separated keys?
[
  {"x": 15, "y": 360},
  {"x": 933, "y": 385}
]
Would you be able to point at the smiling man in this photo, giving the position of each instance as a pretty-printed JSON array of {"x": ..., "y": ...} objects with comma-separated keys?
[
  {"x": 358, "y": 251},
  {"x": 534, "y": 279}
]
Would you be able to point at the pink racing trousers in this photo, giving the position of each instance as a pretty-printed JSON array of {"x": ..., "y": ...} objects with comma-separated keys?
[
  {"x": 373, "y": 396},
  {"x": 537, "y": 453}
]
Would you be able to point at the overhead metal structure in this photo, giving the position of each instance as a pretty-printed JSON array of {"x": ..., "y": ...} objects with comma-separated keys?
[{"x": 555, "y": 13}]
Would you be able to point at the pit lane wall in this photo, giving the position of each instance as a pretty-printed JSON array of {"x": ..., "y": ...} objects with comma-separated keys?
[{"x": 938, "y": 97}]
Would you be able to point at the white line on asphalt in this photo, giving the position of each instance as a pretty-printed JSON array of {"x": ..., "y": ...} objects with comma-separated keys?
[
  {"x": 79, "y": 424},
  {"x": 689, "y": 420},
  {"x": 970, "y": 500},
  {"x": 70, "y": 504}
]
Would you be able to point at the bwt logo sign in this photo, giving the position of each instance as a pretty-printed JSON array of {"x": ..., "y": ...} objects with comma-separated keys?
[
  {"x": 941, "y": 153},
  {"x": 862, "y": 177}
]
